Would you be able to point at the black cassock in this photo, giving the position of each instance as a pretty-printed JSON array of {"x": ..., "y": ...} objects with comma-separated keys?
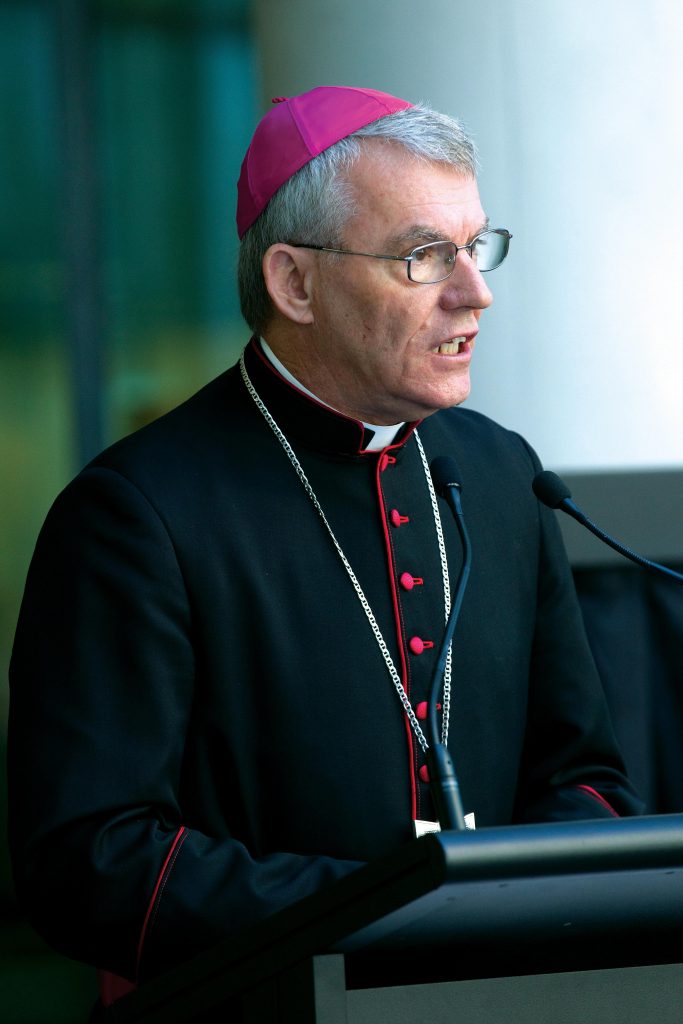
[{"x": 203, "y": 728}]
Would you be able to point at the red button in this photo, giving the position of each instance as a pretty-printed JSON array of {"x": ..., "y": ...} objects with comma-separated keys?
[
  {"x": 424, "y": 773},
  {"x": 422, "y": 710},
  {"x": 397, "y": 519},
  {"x": 418, "y": 645},
  {"x": 408, "y": 581},
  {"x": 386, "y": 460}
]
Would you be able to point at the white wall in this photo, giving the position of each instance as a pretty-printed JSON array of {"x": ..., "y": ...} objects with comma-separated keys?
[{"x": 577, "y": 111}]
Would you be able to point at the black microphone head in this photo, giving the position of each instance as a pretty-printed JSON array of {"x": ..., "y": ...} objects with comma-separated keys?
[
  {"x": 445, "y": 474},
  {"x": 550, "y": 489}
]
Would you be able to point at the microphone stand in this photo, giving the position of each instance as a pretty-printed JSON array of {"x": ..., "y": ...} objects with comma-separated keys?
[
  {"x": 443, "y": 779},
  {"x": 553, "y": 492}
]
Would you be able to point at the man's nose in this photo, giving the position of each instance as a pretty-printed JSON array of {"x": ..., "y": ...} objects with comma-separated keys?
[{"x": 466, "y": 286}]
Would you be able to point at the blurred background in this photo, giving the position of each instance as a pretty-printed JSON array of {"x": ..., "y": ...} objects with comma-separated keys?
[{"x": 122, "y": 128}]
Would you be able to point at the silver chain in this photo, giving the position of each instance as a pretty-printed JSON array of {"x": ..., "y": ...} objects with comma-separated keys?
[
  {"x": 446, "y": 710},
  {"x": 396, "y": 679}
]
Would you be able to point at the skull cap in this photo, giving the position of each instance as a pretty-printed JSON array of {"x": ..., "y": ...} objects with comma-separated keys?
[{"x": 295, "y": 130}]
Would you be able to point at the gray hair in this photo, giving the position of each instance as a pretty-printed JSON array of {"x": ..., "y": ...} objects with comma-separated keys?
[{"x": 314, "y": 205}]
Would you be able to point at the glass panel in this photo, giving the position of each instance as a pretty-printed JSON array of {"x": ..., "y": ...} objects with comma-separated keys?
[
  {"x": 35, "y": 421},
  {"x": 177, "y": 109}
]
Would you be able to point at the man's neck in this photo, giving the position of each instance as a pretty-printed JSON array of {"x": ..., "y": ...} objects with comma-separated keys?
[{"x": 383, "y": 436}]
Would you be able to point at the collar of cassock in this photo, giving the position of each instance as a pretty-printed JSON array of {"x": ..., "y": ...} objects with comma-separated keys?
[{"x": 304, "y": 417}]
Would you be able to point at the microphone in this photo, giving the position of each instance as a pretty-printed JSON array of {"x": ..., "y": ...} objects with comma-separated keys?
[
  {"x": 553, "y": 492},
  {"x": 443, "y": 779}
]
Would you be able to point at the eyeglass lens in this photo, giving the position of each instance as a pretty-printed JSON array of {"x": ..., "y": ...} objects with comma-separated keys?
[{"x": 435, "y": 262}]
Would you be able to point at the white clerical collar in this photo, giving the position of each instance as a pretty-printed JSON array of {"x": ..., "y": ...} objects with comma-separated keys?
[{"x": 383, "y": 436}]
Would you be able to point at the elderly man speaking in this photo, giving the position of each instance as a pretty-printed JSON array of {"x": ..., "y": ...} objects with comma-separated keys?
[{"x": 220, "y": 681}]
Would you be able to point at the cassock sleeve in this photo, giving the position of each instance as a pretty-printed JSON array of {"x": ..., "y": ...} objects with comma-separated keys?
[{"x": 107, "y": 862}]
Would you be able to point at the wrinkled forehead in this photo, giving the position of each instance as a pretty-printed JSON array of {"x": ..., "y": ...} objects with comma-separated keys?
[{"x": 411, "y": 199}]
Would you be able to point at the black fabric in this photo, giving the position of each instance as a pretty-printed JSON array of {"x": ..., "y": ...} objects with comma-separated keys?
[
  {"x": 202, "y": 728},
  {"x": 634, "y": 622}
]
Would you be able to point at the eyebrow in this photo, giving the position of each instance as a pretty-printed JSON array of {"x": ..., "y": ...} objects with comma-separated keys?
[{"x": 421, "y": 234}]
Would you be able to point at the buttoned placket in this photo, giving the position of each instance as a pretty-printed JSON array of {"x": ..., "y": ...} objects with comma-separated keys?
[
  {"x": 415, "y": 595},
  {"x": 418, "y": 644}
]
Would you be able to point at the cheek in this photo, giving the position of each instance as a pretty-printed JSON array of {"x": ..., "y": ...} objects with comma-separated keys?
[
  {"x": 412, "y": 327},
  {"x": 356, "y": 313},
  {"x": 402, "y": 320},
  {"x": 386, "y": 317}
]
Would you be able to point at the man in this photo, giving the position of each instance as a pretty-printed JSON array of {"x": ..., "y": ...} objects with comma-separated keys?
[{"x": 222, "y": 666}]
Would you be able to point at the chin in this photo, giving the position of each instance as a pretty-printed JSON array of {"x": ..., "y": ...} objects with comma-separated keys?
[
  {"x": 447, "y": 401},
  {"x": 419, "y": 405}
]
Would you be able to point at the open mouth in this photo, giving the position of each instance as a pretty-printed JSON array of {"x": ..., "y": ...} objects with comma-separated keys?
[{"x": 452, "y": 347}]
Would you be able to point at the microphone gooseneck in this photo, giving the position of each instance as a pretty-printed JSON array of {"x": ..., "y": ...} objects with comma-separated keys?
[
  {"x": 553, "y": 492},
  {"x": 446, "y": 479},
  {"x": 443, "y": 779}
]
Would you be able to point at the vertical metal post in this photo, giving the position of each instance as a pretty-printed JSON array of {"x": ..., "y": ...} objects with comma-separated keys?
[{"x": 81, "y": 224}]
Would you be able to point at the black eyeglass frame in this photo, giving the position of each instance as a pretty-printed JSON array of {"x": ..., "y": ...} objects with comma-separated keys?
[{"x": 410, "y": 258}]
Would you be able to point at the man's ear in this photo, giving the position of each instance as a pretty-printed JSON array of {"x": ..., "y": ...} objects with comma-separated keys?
[{"x": 288, "y": 272}]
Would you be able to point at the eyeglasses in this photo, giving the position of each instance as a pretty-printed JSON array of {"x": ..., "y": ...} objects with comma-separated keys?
[{"x": 434, "y": 262}]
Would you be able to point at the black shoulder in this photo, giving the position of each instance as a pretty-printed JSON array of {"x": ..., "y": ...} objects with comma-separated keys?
[
  {"x": 165, "y": 460},
  {"x": 204, "y": 416},
  {"x": 478, "y": 442}
]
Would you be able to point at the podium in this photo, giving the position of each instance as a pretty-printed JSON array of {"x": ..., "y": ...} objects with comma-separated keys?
[{"x": 574, "y": 923}]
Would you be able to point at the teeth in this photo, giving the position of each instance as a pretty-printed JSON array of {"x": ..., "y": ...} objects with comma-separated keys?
[{"x": 450, "y": 348}]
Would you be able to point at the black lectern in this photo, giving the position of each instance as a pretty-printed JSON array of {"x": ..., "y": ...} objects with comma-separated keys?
[{"x": 570, "y": 922}]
